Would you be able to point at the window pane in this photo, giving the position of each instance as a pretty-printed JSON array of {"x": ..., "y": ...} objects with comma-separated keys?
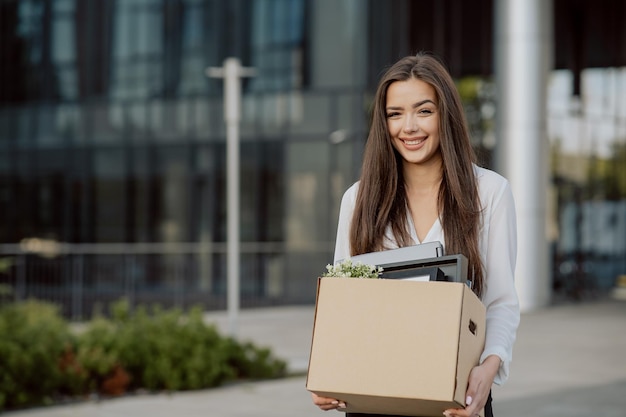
[{"x": 110, "y": 195}]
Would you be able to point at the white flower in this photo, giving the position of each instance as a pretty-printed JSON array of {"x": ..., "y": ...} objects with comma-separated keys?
[{"x": 348, "y": 269}]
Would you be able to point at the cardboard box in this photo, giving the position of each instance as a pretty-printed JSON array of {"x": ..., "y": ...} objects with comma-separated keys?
[{"x": 395, "y": 347}]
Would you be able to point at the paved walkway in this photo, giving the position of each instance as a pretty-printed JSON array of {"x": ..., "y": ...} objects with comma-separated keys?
[{"x": 570, "y": 361}]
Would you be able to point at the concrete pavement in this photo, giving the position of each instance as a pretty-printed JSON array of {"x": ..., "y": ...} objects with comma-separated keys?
[{"x": 569, "y": 360}]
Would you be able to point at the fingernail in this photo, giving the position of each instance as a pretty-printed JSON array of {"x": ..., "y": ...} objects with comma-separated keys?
[
  {"x": 468, "y": 400},
  {"x": 342, "y": 405},
  {"x": 446, "y": 413},
  {"x": 335, "y": 402}
]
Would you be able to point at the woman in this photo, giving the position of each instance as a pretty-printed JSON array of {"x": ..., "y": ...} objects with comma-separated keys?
[{"x": 420, "y": 183}]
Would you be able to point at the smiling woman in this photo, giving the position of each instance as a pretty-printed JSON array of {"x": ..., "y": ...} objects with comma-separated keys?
[{"x": 420, "y": 183}]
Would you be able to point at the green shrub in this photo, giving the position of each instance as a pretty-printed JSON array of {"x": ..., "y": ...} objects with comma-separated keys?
[
  {"x": 161, "y": 350},
  {"x": 254, "y": 362},
  {"x": 33, "y": 341},
  {"x": 96, "y": 352},
  {"x": 166, "y": 350},
  {"x": 155, "y": 349}
]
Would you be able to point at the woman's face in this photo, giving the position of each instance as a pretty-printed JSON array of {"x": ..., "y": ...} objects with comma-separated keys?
[{"x": 413, "y": 120}]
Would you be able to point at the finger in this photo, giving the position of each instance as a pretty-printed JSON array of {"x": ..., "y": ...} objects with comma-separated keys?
[
  {"x": 327, "y": 407},
  {"x": 329, "y": 404},
  {"x": 317, "y": 400},
  {"x": 457, "y": 412}
]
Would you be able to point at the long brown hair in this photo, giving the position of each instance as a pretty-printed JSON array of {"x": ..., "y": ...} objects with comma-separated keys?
[{"x": 381, "y": 199}]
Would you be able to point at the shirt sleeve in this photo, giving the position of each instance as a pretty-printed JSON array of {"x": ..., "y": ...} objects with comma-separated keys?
[
  {"x": 500, "y": 296},
  {"x": 342, "y": 244}
]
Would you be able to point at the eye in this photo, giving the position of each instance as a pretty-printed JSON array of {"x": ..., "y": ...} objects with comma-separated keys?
[
  {"x": 425, "y": 111},
  {"x": 392, "y": 114}
]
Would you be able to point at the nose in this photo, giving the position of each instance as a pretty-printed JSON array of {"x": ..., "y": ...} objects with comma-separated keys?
[{"x": 411, "y": 123}]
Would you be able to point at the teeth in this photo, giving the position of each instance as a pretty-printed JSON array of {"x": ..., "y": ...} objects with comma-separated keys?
[{"x": 414, "y": 142}]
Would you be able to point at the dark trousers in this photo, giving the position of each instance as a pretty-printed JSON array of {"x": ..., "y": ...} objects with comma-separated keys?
[{"x": 488, "y": 411}]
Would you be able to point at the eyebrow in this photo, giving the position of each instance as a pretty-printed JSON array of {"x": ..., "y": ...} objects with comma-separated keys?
[{"x": 415, "y": 105}]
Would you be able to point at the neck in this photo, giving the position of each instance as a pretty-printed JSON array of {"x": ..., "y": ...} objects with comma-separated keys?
[{"x": 423, "y": 177}]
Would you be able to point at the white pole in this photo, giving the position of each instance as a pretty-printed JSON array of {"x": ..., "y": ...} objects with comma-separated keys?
[
  {"x": 231, "y": 72},
  {"x": 523, "y": 40}
]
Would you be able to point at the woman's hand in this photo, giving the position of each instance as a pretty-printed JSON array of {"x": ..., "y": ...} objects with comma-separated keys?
[
  {"x": 326, "y": 403},
  {"x": 478, "y": 387}
]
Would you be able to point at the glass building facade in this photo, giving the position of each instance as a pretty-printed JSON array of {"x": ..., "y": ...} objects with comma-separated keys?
[
  {"x": 113, "y": 149},
  {"x": 112, "y": 140}
]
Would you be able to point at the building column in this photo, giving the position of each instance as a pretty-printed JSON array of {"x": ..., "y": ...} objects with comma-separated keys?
[{"x": 523, "y": 60}]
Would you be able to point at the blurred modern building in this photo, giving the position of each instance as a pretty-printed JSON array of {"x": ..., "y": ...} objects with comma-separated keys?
[{"x": 112, "y": 141}]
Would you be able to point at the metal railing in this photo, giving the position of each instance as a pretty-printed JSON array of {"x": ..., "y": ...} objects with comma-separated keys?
[{"x": 84, "y": 279}]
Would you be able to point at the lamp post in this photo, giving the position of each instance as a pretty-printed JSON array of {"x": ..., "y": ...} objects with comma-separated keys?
[{"x": 232, "y": 72}]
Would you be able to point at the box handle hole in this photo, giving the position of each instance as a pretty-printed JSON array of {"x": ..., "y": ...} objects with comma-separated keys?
[{"x": 472, "y": 327}]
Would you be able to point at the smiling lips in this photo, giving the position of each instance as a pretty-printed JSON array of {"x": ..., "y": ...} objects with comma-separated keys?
[{"x": 413, "y": 141}]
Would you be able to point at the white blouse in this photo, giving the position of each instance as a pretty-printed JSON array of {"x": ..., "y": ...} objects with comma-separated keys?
[{"x": 498, "y": 248}]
